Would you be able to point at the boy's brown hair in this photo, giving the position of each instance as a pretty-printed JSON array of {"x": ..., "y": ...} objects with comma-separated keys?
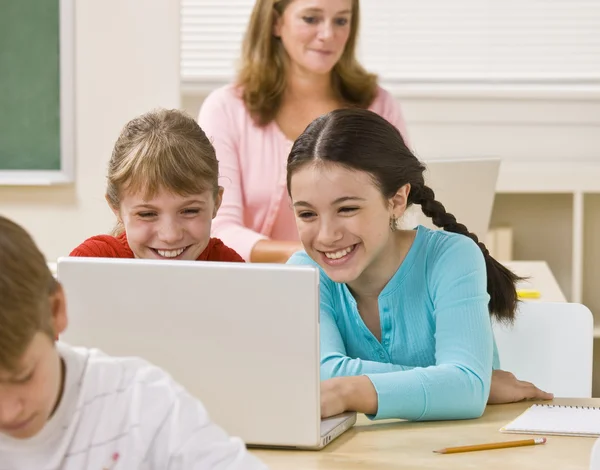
[{"x": 26, "y": 285}]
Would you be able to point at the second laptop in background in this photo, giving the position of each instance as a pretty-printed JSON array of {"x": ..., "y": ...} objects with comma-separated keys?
[{"x": 466, "y": 188}]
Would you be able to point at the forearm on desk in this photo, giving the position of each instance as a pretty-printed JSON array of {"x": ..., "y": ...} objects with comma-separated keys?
[
  {"x": 357, "y": 393},
  {"x": 406, "y": 392},
  {"x": 273, "y": 251},
  {"x": 441, "y": 392},
  {"x": 355, "y": 389}
]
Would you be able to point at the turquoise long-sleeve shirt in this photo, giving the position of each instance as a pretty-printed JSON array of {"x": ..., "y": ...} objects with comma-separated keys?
[{"x": 434, "y": 360}]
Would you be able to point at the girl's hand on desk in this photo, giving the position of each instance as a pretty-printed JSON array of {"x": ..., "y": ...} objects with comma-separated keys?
[
  {"x": 332, "y": 400},
  {"x": 341, "y": 394},
  {"x": 506, "y": 388}
]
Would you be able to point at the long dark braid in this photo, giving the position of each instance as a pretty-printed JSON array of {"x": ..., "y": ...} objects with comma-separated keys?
[
  {"x": 500, "y": 280},
  {"x": 362, "y": 140}
]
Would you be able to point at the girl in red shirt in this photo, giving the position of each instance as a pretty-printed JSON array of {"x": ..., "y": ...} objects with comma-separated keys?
[{"x": 163, "y": 189}]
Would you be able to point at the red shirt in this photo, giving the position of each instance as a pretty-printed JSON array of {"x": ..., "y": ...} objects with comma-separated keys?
[{"x": 107, "y": 246}]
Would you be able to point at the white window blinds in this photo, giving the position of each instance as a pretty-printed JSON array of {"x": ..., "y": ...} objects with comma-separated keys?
[
  {"x": 211, "y": 38},
  {"x": 427, "y": 41}
]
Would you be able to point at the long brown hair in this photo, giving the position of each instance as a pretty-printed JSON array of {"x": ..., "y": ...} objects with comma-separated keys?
[
  {"x": 262, "y": 75},
  {"x": 362, "y": 140}
]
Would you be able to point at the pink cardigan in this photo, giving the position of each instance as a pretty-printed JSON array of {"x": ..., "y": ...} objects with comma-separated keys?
[{"x": 252, "y": 163}]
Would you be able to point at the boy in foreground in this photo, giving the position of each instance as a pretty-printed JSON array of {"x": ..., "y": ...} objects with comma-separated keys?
[{"x": 74, "y": 408}]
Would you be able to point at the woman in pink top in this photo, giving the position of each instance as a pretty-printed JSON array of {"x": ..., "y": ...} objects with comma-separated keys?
[{"x": 298, "y": 62}]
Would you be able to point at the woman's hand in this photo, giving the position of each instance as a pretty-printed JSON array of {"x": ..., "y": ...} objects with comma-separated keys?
[
  {"x": 341, "y": 394},
  {"x": 506, "y": 388},
  {"x": 273, "y": 251}
]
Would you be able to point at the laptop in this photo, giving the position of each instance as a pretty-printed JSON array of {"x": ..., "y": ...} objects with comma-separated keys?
[
  {"x": 466, "y": 188},
  {"x": 243, "y": 338}
]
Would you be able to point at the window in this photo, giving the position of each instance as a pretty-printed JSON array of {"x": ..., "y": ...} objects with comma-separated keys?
[
  {"x": 211, "y": 38},
  {"x": 427, "y": 41}
]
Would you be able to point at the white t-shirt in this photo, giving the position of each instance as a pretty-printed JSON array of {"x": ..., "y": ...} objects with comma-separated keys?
[{"x": 124, "y": 414}]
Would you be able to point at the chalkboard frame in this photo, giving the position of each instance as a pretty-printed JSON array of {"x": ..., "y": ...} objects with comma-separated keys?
[{"x": 66, "y": 173}]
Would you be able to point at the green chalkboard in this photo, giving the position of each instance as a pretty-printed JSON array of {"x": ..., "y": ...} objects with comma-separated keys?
[{"x": 30, "y": 85}]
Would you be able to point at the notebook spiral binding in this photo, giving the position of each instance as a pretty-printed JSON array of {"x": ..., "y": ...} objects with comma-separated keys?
[{"x": 574, "y": 407}]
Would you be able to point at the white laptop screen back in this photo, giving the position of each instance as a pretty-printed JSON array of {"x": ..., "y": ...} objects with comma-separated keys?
[
  {"x": 466, "y": 188},
  {"x": 241, "y": 337}
]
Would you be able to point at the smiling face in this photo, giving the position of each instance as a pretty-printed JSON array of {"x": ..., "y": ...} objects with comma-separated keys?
[
  {"x": 343, "y": 220},
  {"x": 314, "y": 33},
  {"x": 168, "y": 225}
]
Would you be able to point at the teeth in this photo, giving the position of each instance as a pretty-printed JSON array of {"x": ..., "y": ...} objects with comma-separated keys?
[
  {"x": 339, "y": 254},
  {"x": 170, "y": 253}
]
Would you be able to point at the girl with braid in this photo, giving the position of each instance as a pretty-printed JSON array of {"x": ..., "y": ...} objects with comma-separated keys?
[{"x": 405, "y": 314}]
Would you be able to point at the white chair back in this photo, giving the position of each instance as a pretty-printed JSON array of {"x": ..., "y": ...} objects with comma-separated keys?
[{"x": 551, "y": 345}]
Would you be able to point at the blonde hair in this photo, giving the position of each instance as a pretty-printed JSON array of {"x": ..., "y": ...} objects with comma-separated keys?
[
  {"x": 162, "y": 149},
  {"x": 262, "y": 78},
  {"x": 26, "y": 285}
]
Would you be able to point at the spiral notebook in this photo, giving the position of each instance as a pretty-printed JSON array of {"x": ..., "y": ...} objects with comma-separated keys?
[{"x": 559, "y": 420}]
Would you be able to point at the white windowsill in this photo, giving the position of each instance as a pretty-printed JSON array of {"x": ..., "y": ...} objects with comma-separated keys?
[
  {"x": 494, "y": 91},
  {"x": 450, "y": 90}
]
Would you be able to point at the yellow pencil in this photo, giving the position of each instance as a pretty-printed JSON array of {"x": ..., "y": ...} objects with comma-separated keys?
[
  {"x": 494, "y": 445},
  {"x": 528, "y": 294}
]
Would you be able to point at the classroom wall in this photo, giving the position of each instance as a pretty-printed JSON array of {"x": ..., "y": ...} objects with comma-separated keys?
[
  {"x": 126, "y": 62},
  {"x": 545, "y": 127}
]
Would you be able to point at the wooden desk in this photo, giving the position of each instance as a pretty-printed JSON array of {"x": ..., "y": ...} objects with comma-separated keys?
[
  {"x": 541, "y": 279},
  {"x": 407, "y": 445}
]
